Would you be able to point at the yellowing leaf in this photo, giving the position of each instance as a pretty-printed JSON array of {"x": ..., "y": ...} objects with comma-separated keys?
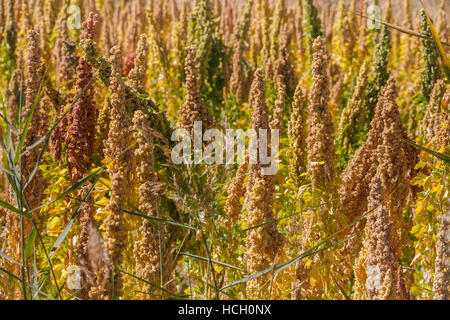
[
  {"x": 420, "y": 165},
  {"x": 55, "y": 211},
  {"x": 54, "y": 226},
  {"x": 419, "y": 209},
  {"x": 415, "y": 229}
]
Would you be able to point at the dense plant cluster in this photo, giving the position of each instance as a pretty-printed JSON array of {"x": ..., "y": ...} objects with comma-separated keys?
[{"x": 92, "y": 206}]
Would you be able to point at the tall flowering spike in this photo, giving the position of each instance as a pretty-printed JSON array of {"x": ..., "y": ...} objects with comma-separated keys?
[
  {"x": 285, "y": 80},
  {"x": 32, "y": 84},
  {"x": 90, "y": 27},
  {"x": 2, "y": 16},
  {"x": 395, "y": 161},
  {"x": 238, "y": 82},
  {"x": 280, "y": 104},
  {"x": 314, "y": 25},
  {"x": 45, "y": 48},
  {"x": 363, "y": 41},
  {"x": 193, "y": 108},
  {"x": 116, "y": 150},
  {"x": 353, "y": 22},
  {"x": 159, "y": 47},
  {"x": 179, "y": 37},
  {"x": 89, "y": 6},
  {"x": 328, "y": 16},
  {"x": 408, "y": 54},
  {"x": 298, "y": 135},
  {"x": 64, "y": 55},
  {"x": 244, "y": 23},
  {"x": 345, "y": 37},
  {"x": 320, "y": 140},
  {"x": 352, "y": 118},
  {"x": 407, "y": 21},
  {"x": 380, "y": 266},
  {"x": 356, "y": 178},
  {"x": 388, "y": 12},
  {"x": 121, "y": 14},
  {"x": 441, "y": 271},
  {"x": 385, "y": 230},
  {"x": 201, "y": 32},
  {"x": 432, "y": 71},
  {"x": 151, "y": 249},
  {"x": 283, "y": 66},
  {"x": 264, "y": 243},
  {"x": 299, "y": 32},
  {"x": 15, "y": 88},
  {"x": 443, "y": 138},
  {"x": 442, "y": 27},
  {"x": 138, "y": 75},
  {"x": 175, "y": 10},
  {"x": 227, "y": 21},
  {"x": 355, "y": 189},
  {"x": 90, "y": 54},
  {"x": 381, "y": 75},
  {"x": 11, "y": 30},
  {"x": 265, "y": 30},
  {"x": 81, "y": 132},
  {"x": 108, "y": 33},
  {"x": 236, "y": 192},
  {"x": 258, "y": 106},
  {"x": 278, "y": 21},
  {"x": 51, "y": 9},
  {"x": 90, "y": 246},
  {"x": 135, "y": 27},
  {"x": 431, "y": 122}
]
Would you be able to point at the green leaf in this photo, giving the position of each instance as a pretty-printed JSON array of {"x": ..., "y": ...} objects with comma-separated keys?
[
  {"x": 14, "y": 209},
  {"x": 30, "y": 244},
  {"x": 438, "y": 155}
]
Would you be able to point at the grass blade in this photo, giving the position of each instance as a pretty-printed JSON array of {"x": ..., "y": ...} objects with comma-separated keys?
[
  {"x": 10, "y": 259},
  {"x": 213, "y": 261},
  {"x": 171, "y": 294},
  {"x": 398, "y": 28},
  {"x": 10, "y": 274},
  {"x": 157, "y": 219},
  {"x": 14, "y": 209},
  {"x": 438, "y": 155},
  {"x": 30, "y": 244}
]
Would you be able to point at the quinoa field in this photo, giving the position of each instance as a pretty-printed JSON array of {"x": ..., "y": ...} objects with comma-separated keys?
[{"x": 224, "y": 150}]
